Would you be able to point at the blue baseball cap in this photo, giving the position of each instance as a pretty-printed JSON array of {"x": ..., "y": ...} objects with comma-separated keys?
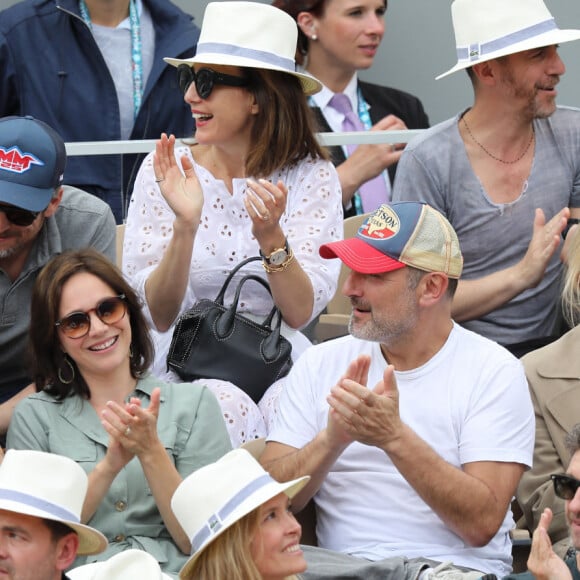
[
  {"x": 401, "y": 234},
  {"x": 32, "y": 162}
]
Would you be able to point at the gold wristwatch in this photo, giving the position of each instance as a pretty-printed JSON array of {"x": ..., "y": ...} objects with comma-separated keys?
[{"x": 278, "y": 260}]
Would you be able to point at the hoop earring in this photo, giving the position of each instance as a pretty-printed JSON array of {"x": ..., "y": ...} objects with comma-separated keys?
[
  {"x": 72, "y": 372},
  {"x": 131, "y": 351}
]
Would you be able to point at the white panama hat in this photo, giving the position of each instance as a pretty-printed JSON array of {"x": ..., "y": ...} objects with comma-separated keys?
[
  {"x": 249, "y": 34},
  {"x": 488, "y": 29},
  {"x": 216, "y": 496},
  {"x": 48, "y": 486},
  {"x": 127, "y": 565}
]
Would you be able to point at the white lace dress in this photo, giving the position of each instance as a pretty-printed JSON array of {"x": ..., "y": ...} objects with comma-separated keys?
[{"x": 313, "y": 216}]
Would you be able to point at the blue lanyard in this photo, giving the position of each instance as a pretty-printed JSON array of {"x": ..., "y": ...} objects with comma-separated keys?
[{"x": 136, "y": 58}]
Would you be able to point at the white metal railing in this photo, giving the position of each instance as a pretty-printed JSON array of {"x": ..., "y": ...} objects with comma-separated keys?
[{"x": 327, "y": 139}]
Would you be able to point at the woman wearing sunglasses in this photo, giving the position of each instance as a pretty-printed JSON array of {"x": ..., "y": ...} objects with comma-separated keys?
[
  {"x": 553, "y": 374},
  {"x": 255, "y": 182},
  {"x": 136, "y": 436}
]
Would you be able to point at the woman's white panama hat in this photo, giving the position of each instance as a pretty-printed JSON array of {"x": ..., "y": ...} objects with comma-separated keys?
[
  {"x": 249, "y": 34},
  {"x": 216, "y": 496},
  {"x": 51, "y": 487},
  {"x": 488, "y": 29}
]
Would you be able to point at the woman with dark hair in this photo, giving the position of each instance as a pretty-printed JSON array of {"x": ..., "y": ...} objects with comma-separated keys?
[
  {"x": 255, "y": 182},
  {"x": 336, "y": 39},
  {"x": 135, "y": 436}
]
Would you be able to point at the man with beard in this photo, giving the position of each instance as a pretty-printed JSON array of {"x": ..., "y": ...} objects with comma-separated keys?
[
  {"x": 39, "y": 218},
  {"x": 414, "y": 430},
  {"x": 505, "y": 172},
  {"x": 543, "y": 562}
]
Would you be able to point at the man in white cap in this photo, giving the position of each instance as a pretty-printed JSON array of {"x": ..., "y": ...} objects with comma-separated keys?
[
  {"x": 41, "y": 499},
  {"x": 39, "y": 218},
  {"x": 505, "y": 172},
  {"x": 415, "y": 431}
]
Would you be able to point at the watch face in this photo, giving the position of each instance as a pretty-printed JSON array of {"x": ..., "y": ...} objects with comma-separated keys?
[{"x": 278, "y": 257}]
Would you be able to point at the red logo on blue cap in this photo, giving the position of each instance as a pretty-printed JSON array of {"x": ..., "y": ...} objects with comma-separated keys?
[
  {"x": 384, "y": 223},
  {"x": 17, "y": 162}
]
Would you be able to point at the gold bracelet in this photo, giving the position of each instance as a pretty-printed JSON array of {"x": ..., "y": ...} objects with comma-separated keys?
[{"x": 282, "y": 266}]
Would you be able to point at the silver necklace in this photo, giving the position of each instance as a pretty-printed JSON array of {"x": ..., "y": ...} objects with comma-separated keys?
[{"x": 494, "y": 156}]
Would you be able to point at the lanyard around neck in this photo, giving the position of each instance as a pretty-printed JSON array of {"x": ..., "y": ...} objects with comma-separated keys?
[{"x": 136, "y": 57}]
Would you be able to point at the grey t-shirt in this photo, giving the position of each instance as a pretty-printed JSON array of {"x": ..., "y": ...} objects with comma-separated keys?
[
  {"x": 81, "y": 220},
  {"x": 435, "y": 169}
]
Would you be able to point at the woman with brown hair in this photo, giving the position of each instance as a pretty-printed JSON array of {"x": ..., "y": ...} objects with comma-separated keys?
[
  {"x": 256, "y": 181},
  {"x": 135, "y": 436}
]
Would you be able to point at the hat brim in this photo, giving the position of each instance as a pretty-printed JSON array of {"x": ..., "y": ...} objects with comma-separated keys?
[
  {"x": 547, "y": 39},
  {"x": 91, "y": 541},
  {"x": 360, "y": 256},
  {"x": 25, "y": 196},
  {"x": 310, "y": 85},
  {"x": 290, "y": 488}
]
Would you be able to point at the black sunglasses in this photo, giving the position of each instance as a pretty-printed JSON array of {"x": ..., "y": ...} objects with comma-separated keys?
[
  {"x": 78, "y": 324},
  {"x": 205, "y": 79},
  {"x": 18, "y": 216},
  {"x": 565, "y": 486}
]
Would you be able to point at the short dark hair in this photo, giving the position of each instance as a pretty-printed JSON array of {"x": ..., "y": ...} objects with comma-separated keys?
[
  {"x": 57, "y": 530},
  {"x": 46, "y": 355},
  {"x": 415, "y": 275}
]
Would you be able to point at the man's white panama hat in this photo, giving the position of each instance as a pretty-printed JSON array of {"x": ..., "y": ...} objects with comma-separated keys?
[
  {"x": 216, "y": 496},
  {"x": 249, "y": 34},
  {"x": 488, "y": 29},
  {"x": 48, "y": 486},
  {"x": 127, "y": 565}
]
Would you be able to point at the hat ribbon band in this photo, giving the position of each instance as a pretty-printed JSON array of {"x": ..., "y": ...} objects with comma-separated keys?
[
  {"x": 476, "y": 51},
  {"x": 251, "y": 53},
  {"x": 214, "y": 522},
  {"x": 35, "y": 502}
]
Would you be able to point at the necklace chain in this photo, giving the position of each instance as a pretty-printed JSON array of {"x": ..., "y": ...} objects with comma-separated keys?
[{"x": 521, "y": 156}]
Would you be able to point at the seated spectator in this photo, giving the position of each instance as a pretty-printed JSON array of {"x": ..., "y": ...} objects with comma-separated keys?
[
  {"x": 136, "y": 436},
  {"x": 257, "y": 536},
  {"x": 101, "y": 78},
  {"x": 257, "y": 181},
  {"x": 334, "y": 43},
  {"x": 39, "y": 218},
  {"x": 552, "y": 374},
  {"x": 41, "y": 498},
  {"x": 415, "y": 431},
  {"x": 505, "y": 172},
  {"x": 127, "y": 565},
  {"x": 543, "y": 562}
]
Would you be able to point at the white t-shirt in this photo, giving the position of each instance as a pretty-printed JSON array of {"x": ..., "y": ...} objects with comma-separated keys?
[{"x": 470, "y": 402}]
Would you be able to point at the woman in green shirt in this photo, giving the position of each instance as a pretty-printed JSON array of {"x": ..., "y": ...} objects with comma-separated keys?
[{"x": 136, "y": 437}]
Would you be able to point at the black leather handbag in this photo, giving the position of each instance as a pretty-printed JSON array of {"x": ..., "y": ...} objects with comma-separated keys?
[{"x": 214, "y": 341}]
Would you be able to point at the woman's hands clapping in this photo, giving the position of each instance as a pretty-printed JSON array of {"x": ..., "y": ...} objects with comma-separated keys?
[
  {"x": 265, "y": 203},
  {"x": 132, "y": 429},
  {"x": 181, "y": 190}
]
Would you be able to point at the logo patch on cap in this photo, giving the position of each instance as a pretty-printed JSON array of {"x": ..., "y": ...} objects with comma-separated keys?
[
  {"x": 17, "y": 162},
  {"x": 383, "y": 224}
]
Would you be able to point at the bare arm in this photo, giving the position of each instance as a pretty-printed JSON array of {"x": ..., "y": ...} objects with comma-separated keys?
[
  {"x": 317, "y": 457},
  {"x": 472, "y": 501},
  {"x": 474, "y": 298},
  {"x": 166, "y": 286},
  {"x": 291, "y": 288}
]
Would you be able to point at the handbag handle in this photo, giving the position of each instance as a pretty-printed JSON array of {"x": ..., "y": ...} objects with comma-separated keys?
[
  {"x": 220, "y": 297},
  {"x": 225, "y": 323}
]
